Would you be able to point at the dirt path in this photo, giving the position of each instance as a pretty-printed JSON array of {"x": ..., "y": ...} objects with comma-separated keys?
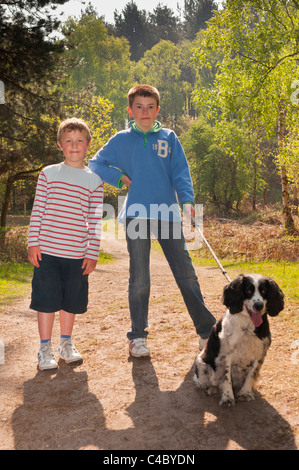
[{"x": 112, "y": 401}]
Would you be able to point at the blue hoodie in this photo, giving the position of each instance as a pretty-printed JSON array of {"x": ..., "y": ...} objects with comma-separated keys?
[{"x": 157, "y": 166}]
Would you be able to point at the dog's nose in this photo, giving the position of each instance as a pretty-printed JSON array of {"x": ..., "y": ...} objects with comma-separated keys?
[{"x": 258, "y": 305}]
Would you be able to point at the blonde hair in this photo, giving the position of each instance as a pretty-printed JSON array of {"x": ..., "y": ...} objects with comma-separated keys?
[
  {"x": 143, "y": 90},
  {"x": 73, "y": 124}
]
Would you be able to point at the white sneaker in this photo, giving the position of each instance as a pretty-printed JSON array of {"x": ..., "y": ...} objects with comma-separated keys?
[
  {"x": 68, "y": 352},
  {"x": 46, "y": 358},
  {"x": 138, "y": 348}
]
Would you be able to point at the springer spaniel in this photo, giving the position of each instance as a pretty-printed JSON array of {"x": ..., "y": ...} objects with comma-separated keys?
[{"x": 238, "y": 343}]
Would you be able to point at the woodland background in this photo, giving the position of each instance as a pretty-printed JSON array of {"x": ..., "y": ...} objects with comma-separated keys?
[
  {"x": 228, "y": 76},
  {"x": 229, "y": 82}
]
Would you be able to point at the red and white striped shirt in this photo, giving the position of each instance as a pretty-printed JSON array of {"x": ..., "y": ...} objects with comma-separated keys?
[{"x": 66, "y": 218}]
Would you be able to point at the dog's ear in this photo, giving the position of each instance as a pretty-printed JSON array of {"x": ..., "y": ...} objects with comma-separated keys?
[
  {"x": 275, "y": 298},
  {"x": 233, "y": 295}
]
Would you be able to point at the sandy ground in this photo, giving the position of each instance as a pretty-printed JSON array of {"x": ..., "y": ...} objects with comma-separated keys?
[{"x": 112, "y": 401}]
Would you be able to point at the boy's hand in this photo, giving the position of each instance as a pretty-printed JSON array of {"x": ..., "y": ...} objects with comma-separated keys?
[
  {"x": 126, "y": 180},
  {"x": 189, "y": 211},
  {"x": 34, "y": 255},
  {"x": 88, "y": 265}
]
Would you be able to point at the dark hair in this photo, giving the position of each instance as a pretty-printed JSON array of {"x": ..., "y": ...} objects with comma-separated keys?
[{"x": 143, "y": 90}]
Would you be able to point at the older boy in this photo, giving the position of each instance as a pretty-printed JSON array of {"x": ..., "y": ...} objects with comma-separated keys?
[
  {"x": 150, "y": 161},
  {"x": 64, "y": 240}
]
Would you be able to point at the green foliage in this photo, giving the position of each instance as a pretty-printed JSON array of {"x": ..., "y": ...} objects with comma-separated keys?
[
  {"x": 161, "y": 67},
  {"x": 100, "y": 61},
  {"x": 220, "y": 161},
  {"x": 28, "y": 67},
  {"x": 237, "y": 74},
  {"x": 289, "y": 154},
  {"x": 97, "y": 114},
  {"x": 132, "y": 24},
  {"x": 170, "y": 68},
  {"x": 255, "y": 45},
  {"x": 144, "y": 30},
  {"x": 252, "y": 47},
  {"x": 196, "y": 14}
]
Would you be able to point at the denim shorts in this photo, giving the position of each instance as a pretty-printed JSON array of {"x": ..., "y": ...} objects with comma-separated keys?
[{"x": 59, "y": 284}]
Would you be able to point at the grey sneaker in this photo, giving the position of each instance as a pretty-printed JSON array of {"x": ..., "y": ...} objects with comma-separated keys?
[
  {"x": 46, "y": 358},
  {"x": 68, "y": 352},
  {"x": 138, "y": 348}
]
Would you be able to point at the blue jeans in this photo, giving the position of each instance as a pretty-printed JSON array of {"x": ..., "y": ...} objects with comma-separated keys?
[{"x": 172, "y": 241}]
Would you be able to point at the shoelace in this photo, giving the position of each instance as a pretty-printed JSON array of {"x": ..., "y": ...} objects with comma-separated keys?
[{"x": 47, "y": 349}]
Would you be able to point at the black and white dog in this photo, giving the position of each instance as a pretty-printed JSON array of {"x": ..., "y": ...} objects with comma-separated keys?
[{"x": 238, "y": 343}]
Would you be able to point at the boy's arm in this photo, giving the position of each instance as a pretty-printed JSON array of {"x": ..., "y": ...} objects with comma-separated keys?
[
  {"x": 94, "y": 225},
  {"x": 34, "y": 254},
  {"x": 104, "y": 164},
  {"x": 189, "y": 210},
  {"x": 126, "y": 180}
]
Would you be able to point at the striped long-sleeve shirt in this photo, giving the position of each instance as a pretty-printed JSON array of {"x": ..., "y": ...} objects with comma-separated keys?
[{"x": 67, "y": 212}]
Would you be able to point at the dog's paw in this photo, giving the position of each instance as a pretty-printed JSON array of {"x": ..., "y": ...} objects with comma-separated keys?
[
  {"x": 211, "y": 391},
  {"x": 246, "y": 396},
  {"x": 227, "y": 401}
]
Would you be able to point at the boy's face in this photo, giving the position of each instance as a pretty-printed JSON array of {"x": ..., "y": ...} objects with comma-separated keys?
[
  {"x": 74, "y": 145},
  {"x": 144, "y": 111}
]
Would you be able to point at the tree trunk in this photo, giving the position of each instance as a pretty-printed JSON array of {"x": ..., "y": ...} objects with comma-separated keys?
[
  {"x": 254, "y": 183},
  {"x": 23, "y": 175},
  {"x": 287, "y": 213},
  {"x": 295, "y": 200},
  {"x": 5, "y": 205}
]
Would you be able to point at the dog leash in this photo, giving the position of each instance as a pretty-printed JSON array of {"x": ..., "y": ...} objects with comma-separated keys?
[{"x": 210, "y": 249}]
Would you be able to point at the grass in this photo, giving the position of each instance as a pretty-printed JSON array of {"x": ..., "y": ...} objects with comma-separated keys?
[
  {"x": 285, "y": 273},
  {"x": 105, "y": 258},
  {"x": 15, "y": 279}
]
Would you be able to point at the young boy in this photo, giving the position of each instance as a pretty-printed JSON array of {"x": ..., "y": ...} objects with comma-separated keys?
[
  {"x": 64, "y": 240},
  {"x": 150, "y": 161}
]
